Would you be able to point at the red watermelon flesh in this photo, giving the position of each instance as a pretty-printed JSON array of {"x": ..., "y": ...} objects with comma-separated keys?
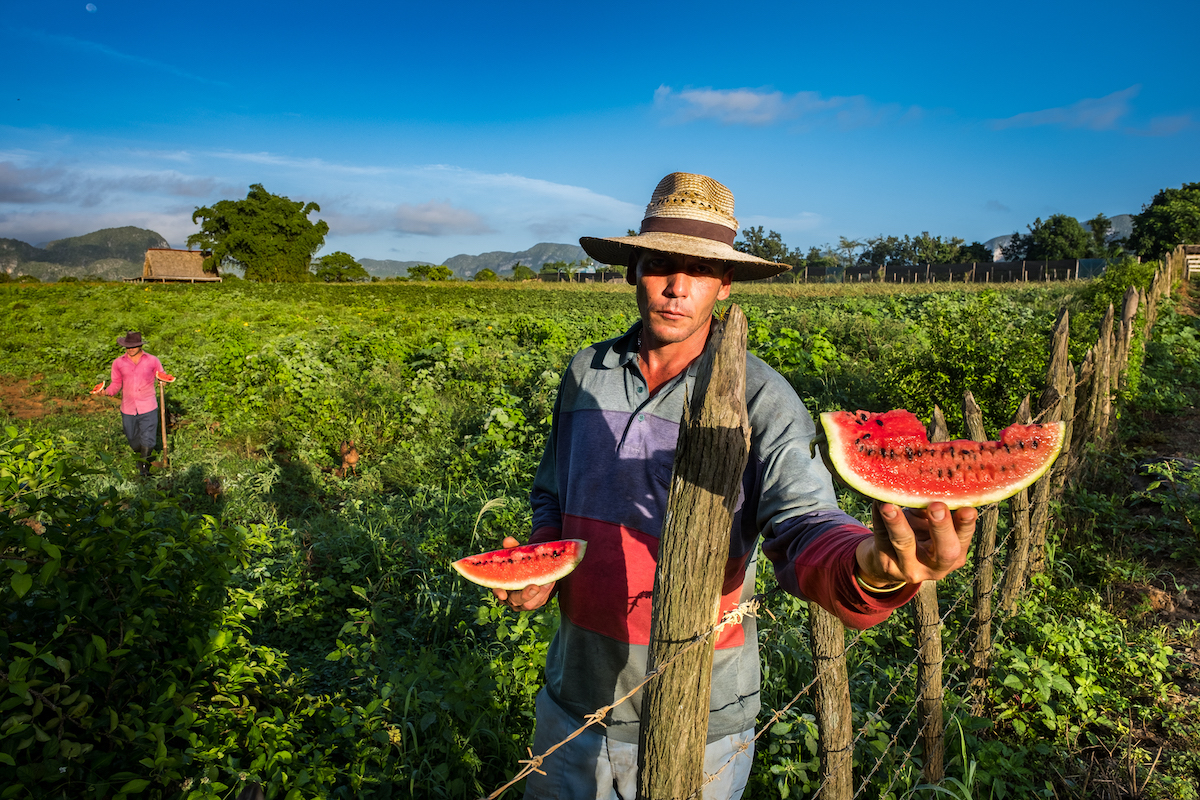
[
  {"x": 518, "y": 567},
  {"x": 164, "y": 377},
  {"x": 888, "y": 457}
]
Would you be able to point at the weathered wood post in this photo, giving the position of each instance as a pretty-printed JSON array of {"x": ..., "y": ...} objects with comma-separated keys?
[
  {"x": 927, "y": 625},
  {"x": 985, "y": 572},
  {"x": 835, "y": 746},
  {"x": 710, "y": 457},
  {"x": 1018, "y": 552},
  {"x": 1050, "y": 409}
]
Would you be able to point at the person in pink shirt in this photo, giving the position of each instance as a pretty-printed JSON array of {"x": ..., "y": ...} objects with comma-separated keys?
[{"x": 133, "y": 377}]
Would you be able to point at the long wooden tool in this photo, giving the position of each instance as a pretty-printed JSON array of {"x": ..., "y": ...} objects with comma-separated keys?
[{"x": 162, "y": 412}]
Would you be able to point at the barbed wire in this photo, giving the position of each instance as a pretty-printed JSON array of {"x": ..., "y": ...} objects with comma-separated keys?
[{"x": 533, "y": 764}]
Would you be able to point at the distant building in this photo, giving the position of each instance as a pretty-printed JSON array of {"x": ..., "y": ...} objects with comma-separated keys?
[{"x": 163, "y": 265}]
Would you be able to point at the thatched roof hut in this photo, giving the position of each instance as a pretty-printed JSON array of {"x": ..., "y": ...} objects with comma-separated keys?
[{"x": 176, "y": 266}]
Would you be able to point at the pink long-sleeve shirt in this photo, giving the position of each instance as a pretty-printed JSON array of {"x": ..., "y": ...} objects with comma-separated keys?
[{"x": 135, "y": 383}]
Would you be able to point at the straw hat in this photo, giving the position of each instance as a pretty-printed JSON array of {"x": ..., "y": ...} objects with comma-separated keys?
[{"x": 689, "y": 215}]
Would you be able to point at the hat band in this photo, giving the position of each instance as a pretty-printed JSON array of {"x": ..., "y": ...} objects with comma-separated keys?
[{"x": 689, "y": 227}]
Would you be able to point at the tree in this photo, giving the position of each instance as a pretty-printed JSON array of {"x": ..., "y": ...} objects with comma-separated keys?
[
  {"x": 339, "y": 267},
  {"x": 1172, "y": 218},
  {"x": 428, "y": 272},
  {"x": 1059, "y": 237},
  {"x": 1099, "y": 226},
  {"x": 846, "y": 248},
  {"x": 267, "y": 235},
  {"x": 769, "y": 246},
  {"x": 523, "y": 273},
  {"x": 486, "y": 274}
]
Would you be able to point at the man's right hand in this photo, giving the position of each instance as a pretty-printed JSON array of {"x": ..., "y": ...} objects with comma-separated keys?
[
  {"x": 98, "y": 388},
  {"x": 528, "y": 599}
]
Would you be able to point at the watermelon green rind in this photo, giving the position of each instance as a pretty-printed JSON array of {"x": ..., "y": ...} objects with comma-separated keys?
[
  {"x": 528, "y": 564},
  {"x": 897, "y": 463}
]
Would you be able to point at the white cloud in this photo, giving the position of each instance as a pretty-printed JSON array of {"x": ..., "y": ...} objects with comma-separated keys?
[
  {"x": 1092, "y": 113},
  {"x": 438, "y": 218},
  {"x": 761, "y": 107}
]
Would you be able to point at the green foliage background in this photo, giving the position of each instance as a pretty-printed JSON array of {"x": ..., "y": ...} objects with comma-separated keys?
[{"x": 301, "y": 629}]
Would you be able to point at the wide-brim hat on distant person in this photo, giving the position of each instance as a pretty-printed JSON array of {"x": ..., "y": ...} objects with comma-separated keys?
[
  {"x": 689, "y": 215},
  {"x": 130, "y": 340}
]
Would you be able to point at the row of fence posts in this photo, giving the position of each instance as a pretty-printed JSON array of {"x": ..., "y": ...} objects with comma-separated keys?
[{"x": 1084, "y": 401}]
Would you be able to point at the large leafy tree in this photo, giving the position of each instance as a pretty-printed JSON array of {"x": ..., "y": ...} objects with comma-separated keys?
[
  {"x": 1059, "y": 237},
  {"x": 269, "y": 236},
  {"x": 339, "y": 267},
  {"x": 1172, "y": 218}
]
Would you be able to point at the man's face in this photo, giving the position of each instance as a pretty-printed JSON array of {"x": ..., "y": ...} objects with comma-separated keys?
[
  {"x": 676, "y": 295},
  {"x": 132, "y": 352}
]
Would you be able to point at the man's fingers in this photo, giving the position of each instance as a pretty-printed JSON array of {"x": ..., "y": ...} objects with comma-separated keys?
[{"x": 510, "y": 542}]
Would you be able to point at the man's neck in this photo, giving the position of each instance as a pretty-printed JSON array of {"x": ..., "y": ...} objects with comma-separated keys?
[{"x": 661, "y": 362}]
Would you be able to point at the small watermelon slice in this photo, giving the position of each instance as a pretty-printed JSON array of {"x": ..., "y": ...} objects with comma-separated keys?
[
  {"x": 164, "y": 377},
  {"x": 518, "y": 567},
  {"x": 98, "y": 388},
  {"x": 888, "y": 457}
]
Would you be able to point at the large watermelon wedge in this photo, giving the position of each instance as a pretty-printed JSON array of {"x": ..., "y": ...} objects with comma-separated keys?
[
  {"x": 888, "y": 457},
  {"x": 518, "y": 567}
]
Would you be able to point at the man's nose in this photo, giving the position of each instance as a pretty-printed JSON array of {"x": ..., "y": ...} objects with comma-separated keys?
[{"x": 676, "y": 284}]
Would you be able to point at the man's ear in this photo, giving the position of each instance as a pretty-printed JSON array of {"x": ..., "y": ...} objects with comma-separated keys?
[{"x": 726, "y": 284}]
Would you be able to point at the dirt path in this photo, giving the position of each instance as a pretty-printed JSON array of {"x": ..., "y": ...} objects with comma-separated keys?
[{"x": 21, "y": 398}]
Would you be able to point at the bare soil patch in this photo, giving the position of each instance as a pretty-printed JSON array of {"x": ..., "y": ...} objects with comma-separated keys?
[{"x": 23, "y": 399}]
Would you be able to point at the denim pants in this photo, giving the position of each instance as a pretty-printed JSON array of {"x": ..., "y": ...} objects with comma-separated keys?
[
  {"x": 593, "y": 767},
  {"x": 141, "y": 431}
]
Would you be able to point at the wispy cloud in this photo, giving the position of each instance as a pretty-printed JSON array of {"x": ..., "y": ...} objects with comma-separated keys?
[
  {"x": 762, "y": 107},
  {"x": 41, "y": 184},
  {"x": 1165, "y": 126},
  {"x": 96, "y": 48},
  {"x": 438, "y": 218},
  {"x": 1092, "y": 113},
  {"x": 997, "y": 206}
]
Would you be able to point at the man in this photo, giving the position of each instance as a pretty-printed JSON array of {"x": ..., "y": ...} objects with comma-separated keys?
[
  {"x": 133, "y": 377},
  {"x": 605, "y": 475}
]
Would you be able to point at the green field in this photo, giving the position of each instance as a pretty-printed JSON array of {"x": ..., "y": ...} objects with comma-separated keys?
[{"x": 300, "y": 627}]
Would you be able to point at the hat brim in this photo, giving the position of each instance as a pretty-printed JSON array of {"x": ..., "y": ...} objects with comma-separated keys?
[
  {"x": 121, "y": 340},
  {"x": 617, "y": 250}
]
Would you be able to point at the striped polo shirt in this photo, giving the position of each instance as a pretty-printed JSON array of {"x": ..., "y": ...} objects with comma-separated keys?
[{"x": 605, "y": 476}]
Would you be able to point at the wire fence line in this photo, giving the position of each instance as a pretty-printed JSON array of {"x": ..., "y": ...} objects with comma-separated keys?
[{"x": 1082, "y": 400}]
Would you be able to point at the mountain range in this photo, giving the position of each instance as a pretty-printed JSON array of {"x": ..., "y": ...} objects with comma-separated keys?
[{"x": 117, "y": 253}]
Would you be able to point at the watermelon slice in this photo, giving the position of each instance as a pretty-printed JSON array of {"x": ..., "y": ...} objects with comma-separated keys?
[
  {"x": 888, "y": 457},
  {"x": 164, "y": 377},
  {"x": 98, "y": 388},
  {"x": 518, "y": 567}
]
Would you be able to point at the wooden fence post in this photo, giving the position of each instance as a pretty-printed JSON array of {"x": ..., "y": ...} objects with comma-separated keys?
[
  {"x": 985, "y": 572},
  {"x": 710, "y": 457},
  {"x": 927, "y": 625},
  {"x": 1050, "y": 409},
  {"x": 1018, "y": 551},
  {"x": 1103, "y": 393},
  {"x": 835, "y": 745}
]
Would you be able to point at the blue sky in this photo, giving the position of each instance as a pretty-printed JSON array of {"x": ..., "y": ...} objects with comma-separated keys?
[{"x": 424, "y": 130}]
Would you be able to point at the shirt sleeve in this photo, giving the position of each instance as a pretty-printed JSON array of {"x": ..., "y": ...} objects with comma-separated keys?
[
  {"x": 544, "y": 497},
  {"x": 115, "y": 379},
  {"x": 809, "y": 540}
]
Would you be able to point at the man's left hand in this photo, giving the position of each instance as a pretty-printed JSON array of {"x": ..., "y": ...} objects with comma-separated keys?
[{"x": 914, "y": 544}]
